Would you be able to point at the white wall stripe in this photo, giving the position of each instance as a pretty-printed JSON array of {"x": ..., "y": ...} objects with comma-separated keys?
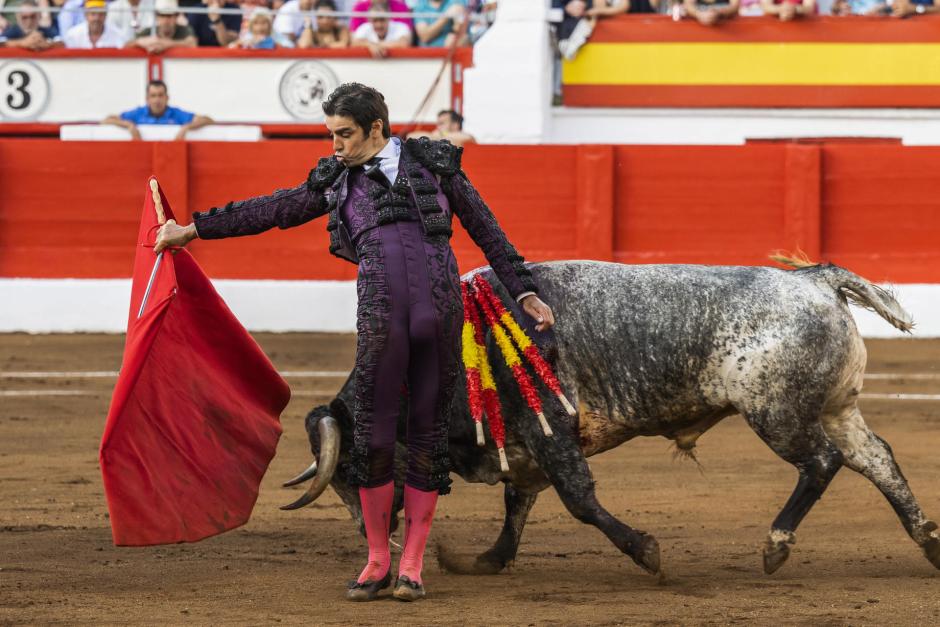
[
  {"x": 110, "y": 374},
  {"x": 45, "y": 393},
  {"x": 100, "y": 305}
]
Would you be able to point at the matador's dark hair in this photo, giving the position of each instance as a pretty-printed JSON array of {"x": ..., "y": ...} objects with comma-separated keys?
[{"x": 363, "y": 104}]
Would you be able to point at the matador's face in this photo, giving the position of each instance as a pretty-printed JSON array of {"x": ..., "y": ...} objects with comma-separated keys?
[{"x": 351, "y": 144}]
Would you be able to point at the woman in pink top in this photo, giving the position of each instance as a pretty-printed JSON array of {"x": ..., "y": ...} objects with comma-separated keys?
[{"x": 394, "y": 6}]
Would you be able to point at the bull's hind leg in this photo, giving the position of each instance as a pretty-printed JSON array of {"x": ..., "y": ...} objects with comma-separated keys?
[
  {"x": 804, "y": 444},
  {"x": 871, "y": 456}
]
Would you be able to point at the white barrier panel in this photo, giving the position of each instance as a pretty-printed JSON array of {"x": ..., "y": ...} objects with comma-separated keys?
[
  {"x": 69, "y": 89},
  {"x": 280, "y": 87},
  {"x": 93, "y": 305},
  {"x": 160, "y": 132},
  {"x": 284, "y": 90}
]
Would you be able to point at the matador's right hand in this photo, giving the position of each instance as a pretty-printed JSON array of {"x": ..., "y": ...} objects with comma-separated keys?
[{"x": 172, "y": 234}]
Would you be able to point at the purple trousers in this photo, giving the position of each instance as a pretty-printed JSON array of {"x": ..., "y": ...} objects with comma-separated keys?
[{"x": 409, "y": 317}]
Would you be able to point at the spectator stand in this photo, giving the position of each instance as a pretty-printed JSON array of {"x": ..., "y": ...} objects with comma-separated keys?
[{"x": 279, "y": 90}]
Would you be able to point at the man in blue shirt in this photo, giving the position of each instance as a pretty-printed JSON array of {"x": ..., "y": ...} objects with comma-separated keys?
[{"x": 158, "y": 111}]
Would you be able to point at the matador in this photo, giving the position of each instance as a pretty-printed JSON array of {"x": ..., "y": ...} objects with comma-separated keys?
[{"x": 390, "y": 205}]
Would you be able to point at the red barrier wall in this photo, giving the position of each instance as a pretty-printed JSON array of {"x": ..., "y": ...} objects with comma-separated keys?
[{"x": 71, "y": 209}]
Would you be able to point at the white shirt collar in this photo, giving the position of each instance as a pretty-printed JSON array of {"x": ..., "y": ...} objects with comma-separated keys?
[{"x": 390, "y": 156}]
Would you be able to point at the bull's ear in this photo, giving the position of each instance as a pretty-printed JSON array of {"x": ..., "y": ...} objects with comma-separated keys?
[
  {"x": 342, "y": 412},
  {"x": 310, "y": 422}
]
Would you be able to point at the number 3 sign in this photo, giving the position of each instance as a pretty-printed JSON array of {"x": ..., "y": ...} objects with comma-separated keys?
[{"x": 24, "y": 91}]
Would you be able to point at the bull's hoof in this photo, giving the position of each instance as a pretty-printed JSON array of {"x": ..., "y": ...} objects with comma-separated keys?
[
  {"x": 647, "y": 555},
  {"x": 488, "y": 563},
  {"x": 931, "y": 543},
  {"x": 777, "y": 549},
  {"x": 932, "y": 551}
]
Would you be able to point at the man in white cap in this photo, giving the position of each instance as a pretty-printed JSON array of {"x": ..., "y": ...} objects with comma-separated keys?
[
  {"x": 94, "y": 32},
  {"x": 169, "y": 33}
]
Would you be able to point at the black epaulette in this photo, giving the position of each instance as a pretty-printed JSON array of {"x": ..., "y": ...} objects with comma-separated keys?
[
  {"x": 439, "y": 156},
  {"x": 327, "y": 171}
]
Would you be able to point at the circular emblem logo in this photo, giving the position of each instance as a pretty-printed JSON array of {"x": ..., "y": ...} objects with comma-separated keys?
[
  {"x": 304, "y": 87},
  {"x": 24, "y": 91}
]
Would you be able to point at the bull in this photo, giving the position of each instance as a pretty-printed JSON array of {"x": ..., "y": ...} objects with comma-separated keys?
[{"x": 669, "y": 350}]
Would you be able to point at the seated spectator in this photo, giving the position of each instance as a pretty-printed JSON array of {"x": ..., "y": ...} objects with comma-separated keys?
[
  {"x": 441, "y": 31},
  {"x": 129, "y": 17},
  {"x": 169, "y": 33},
  {"x": 380, "y": 34},
  {"x": 786, "y": 10},
  {"x": 860, "y": 7},
  {"x": 575, "y": 27},
  {"x": 261, "y": 35},
  {"x": 750, "y": 8},
  {"x": 46, "y": 17},
  {"x": 27, "y": 33},
  {"x": 330, "y": 33},
  {"x": 908, "y": 8},
  {"x": 485, "y": 11},
  {"x": 94, "y": 32},
  {"x": 645, "y": 6},
  {"x": 158, "y": 111},
  {"x": 604, "y": 8},
  {"x": 449, "y": 127},
  {"x": 394, "y": 6},
  {"x": 290, "y": 20},
  {"x": 214, "y": 29},
  {"x": 70, "y": 15},
  {"x": 711, "y": 12}
]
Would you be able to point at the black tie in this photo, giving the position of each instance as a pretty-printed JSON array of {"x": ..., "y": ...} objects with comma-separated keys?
[{"x": 374, "y": 172}]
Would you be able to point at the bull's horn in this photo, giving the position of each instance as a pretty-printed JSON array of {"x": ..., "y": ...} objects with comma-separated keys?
[
  {"x": 305, "y": 475},
  {"x": 329, "y": 456}
]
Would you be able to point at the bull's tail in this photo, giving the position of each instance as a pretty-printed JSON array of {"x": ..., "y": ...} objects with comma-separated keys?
[{"x": 855, "y": 289}]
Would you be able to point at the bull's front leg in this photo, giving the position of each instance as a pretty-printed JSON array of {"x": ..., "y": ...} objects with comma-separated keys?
[
  {"x": 561, "y": 459},
  {"x": 503, "y": 552}
]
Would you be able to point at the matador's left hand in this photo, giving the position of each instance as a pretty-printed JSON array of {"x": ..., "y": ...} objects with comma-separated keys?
[{"x": 542, "y": 313}]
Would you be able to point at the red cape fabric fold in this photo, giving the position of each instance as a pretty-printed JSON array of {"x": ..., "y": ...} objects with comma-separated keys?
[{"x": 194, "y": 417}]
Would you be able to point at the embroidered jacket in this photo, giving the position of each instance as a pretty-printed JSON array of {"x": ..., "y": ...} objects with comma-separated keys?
[{"x": 429, "y": 176}]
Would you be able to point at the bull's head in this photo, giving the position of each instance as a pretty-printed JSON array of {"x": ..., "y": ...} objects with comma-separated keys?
[{"x": 330, "y": 430}]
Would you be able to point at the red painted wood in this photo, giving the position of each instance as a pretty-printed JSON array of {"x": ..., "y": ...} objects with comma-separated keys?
[
  {"x": 595, "y": 202},
  {"x": 71, "y": 209},
  {"x": 801, "y": 200}
]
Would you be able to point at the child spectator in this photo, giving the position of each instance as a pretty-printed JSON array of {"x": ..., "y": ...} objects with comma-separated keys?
[{"x": 261, "y": 33}]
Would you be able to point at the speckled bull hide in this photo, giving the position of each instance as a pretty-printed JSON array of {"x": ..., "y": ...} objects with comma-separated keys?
[{"x": 670, "y": 350}]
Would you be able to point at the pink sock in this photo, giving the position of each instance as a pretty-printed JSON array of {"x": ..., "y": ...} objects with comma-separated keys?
[
  {"x": 376, "y": 514},
  {"x": 419, "y": 512}
]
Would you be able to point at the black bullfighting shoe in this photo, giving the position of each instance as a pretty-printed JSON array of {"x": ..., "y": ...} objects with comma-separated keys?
[
  {"x": 368, "y": 590},
  {"x": 408, "y": 590}
]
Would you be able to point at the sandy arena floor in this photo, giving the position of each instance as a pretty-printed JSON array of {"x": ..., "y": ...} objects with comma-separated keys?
[{"x": 853, "y": 563}]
